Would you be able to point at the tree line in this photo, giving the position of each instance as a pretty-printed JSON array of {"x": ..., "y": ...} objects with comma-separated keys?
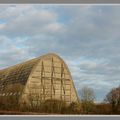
[
  {"x": 109, "y": 105},
  {"x": 86, "y": 104}
]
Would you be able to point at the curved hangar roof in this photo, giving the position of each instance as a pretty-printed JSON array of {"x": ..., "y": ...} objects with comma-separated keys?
[{"x": 47, "y": 75}]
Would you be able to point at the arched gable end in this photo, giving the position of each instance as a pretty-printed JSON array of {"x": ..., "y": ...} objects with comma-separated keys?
[{"x": 49, "y": 79}]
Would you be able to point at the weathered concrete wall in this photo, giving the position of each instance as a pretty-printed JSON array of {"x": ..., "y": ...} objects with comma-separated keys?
[{"x": 49, "y": 79}]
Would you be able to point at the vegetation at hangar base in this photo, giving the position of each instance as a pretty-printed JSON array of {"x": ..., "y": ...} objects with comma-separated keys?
[{"x": 87, "y": 105}]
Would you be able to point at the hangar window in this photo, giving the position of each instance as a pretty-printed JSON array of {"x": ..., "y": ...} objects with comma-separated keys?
[
  {"x": 7, "y": 94},
  {"x": 3, "y": 94},
  {"x": 11, "y": 93},
  {"x": 19, "y": 93},
  {"x": 14, "y": 93}
]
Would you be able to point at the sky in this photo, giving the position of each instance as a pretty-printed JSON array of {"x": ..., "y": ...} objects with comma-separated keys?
[{"x": 87, "y": 37}]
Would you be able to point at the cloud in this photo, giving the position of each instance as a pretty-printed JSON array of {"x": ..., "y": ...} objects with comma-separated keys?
[
  {"x": 85, "y": 36},
  {"x": 11, "y": 51}
]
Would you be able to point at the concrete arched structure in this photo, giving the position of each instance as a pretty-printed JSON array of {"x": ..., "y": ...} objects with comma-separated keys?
[{"x": 37, "y": 80}]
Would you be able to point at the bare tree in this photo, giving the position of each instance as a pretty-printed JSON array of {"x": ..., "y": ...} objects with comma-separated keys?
[
  {"x": 87, "y": 99},
  {"x": 113, "y": 97},
  {"x": 87, "y": 94}
]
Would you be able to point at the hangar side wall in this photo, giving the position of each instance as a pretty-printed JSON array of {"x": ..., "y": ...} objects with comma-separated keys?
[
  {"x": 14, "y": 78},
  {"x": 50, "y": 79}
]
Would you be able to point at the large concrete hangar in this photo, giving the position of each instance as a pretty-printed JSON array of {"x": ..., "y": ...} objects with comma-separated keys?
[{"x": 39, "y": 79}]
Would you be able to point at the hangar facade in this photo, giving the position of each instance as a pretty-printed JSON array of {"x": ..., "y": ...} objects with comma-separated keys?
[{"x": 43, "y": 78}]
